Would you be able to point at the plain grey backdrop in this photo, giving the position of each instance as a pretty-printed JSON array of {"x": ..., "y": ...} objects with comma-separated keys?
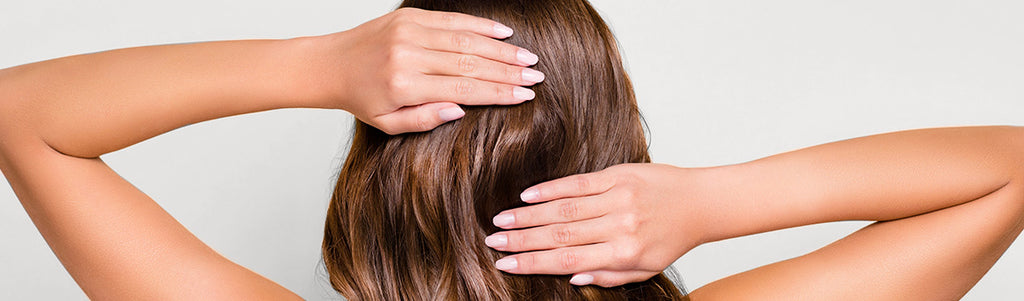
[{"x": 719, "y": 82}]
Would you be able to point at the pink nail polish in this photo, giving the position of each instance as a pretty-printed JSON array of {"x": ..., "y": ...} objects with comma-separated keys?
[
  {"x": 581, "y": 279},
  {"x": 450, "y": 114},
  {"x": 533, "y": 76},
  {"x": 496, "y": 241},
  {"x": 529, "y": 195},
  {"x": 526, "y": 57},
  {"x": 520, "y": 93},
  {"x": 506, "y": 264},
  {"x": 504, "y": 220},
  {"x": 502, "y": 31}
]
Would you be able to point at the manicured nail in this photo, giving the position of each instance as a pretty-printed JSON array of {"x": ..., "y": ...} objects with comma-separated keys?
[
  {"x": 529, "y": 195},
  {"x": 496, "y": 241},
  {"x": 581, "y": 279},
  {"x": 506, "y": 264},
  {"x": 502, "y": 31},
  {"x": 521, "y": 93},
  {"x": 504, "y": 220},
  {"x": 450, "y": 114},
  {"x": 527, "y": 57},
  {"x": 532, "y": 76}
]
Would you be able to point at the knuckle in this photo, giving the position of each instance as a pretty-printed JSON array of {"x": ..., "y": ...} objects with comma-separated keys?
[
  {"x": 423, "y": 122},
  {"x": 514, "y": 74},
  {"x": 447, "y": 20},
  {"x": 629, "y": 198},
  {"x": 582, "y": 183},
  {"x": 627, "y": 254},
  {"x": 399, "y": 53},
  {"x": 509, "y": 53},
  {"x": 501, "y": 92},
  {"x": 467, "y": 64},
  {"x": 405, "y": 11},
  {"x": 399, "y": 82},
  {"x": 517, "y": 241},
  {"x": 461, "y": 41},
  {"x": 562, "y": 235},
  {"x": 629, "y": 223},
  {"x": 402, "y": 30},
  {"x": 463, "y": 88},
  {"x": 526, "y": 262},
  {"x": 568, "y": 260},
  {"x": 523, "y": 216},
  {"x": 568, "y": 210}
]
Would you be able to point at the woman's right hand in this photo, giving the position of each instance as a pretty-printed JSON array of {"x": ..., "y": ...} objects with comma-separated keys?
[
  {"x": 623, "y": 224},
  {"x": 409, "y": 70}
]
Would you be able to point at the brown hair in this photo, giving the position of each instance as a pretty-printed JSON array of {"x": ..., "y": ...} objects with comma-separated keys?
[{"x": 410, "y": 212}]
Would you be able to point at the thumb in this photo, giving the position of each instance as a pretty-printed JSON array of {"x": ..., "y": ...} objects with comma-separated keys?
[{"x": 419, "y": 118}]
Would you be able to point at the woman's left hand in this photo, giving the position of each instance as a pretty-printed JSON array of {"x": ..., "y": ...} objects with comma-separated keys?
[{"x": 623, "y": 224}]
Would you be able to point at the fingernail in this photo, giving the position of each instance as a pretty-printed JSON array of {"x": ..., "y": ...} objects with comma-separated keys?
[
  {"x": 532, "y": 76},
  {"x": 521, "y": 93},
  {"x": 450, "y": 114},
  {"x": 581, "y": 279},
  {"x": 502, "y": 31},
  {"x": 527, "y": 57},
  {"x": 504, "y": 220},
  {"x": 506, "y": 264},
  {"x": 529, "y": 195},
  {"x": 496, "y": 241}
]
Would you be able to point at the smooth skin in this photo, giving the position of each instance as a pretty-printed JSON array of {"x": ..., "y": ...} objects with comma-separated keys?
[
  {"x": 948, "y": 202},
  {"x": 406, "y": 71}
]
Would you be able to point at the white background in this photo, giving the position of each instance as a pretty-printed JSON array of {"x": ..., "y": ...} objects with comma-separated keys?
[{"x": 719, "y": 82}]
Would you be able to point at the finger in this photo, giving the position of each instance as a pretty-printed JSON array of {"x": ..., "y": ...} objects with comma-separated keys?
[
  {"x": 418, "y": 118},
  {"x": 559, "y": 261},
  {"x": 470, "y": 91},
  {"x": 559, "y": 211},
  {"x": 468, "y": 65},
  {"x": 470, "y": 43},
  {"x": 571, "y": 186},
  {"x": 610, "y": 278},
  {"x": 579, "y": 233},
  {"x": 459, "y": 22}
]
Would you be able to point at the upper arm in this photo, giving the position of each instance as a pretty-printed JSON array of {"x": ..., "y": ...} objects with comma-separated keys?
[
  {"x": 939, "y": 255},
  {"x": 114, "y": 240}
]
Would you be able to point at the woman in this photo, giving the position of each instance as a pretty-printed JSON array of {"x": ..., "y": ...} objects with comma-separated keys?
[
  {"x": 412, "y": 226},
  {"x": 26, "y": 163}
]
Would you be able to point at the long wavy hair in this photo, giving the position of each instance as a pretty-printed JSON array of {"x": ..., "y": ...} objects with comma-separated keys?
[{"x": 409, "y": 213}]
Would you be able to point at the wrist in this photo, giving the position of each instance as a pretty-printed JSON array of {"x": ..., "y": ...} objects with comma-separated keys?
[
  {"x": 701, "y": 200},
  {"x": 715, "y": 199},
  {"x": 309, "y": 69},
  {"x": 317, "y": 70}
]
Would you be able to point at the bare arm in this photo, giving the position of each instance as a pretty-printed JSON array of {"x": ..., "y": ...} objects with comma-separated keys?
[
  {"x": 57, "y": 117},
  {"x": 950, "y": 201}
]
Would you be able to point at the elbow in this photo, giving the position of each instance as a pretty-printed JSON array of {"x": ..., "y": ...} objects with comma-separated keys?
[
  {"x": 1016, "y": 181},
  {"x": 1016, "y": 141},
  {"x": 6, "y": 107},
  {"x": 7, "y": 119},
  {"x": 12, "y": 118},
  {"x": 8, "y": 111}
]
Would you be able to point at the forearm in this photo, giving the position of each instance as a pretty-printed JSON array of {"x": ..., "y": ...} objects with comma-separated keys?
[
  {"x": 881, "y": 177},
  {"x": 88, "y": 105}
]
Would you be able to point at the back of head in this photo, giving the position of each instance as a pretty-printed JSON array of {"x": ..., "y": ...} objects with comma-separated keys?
[{"x": 410, "y": 212}]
